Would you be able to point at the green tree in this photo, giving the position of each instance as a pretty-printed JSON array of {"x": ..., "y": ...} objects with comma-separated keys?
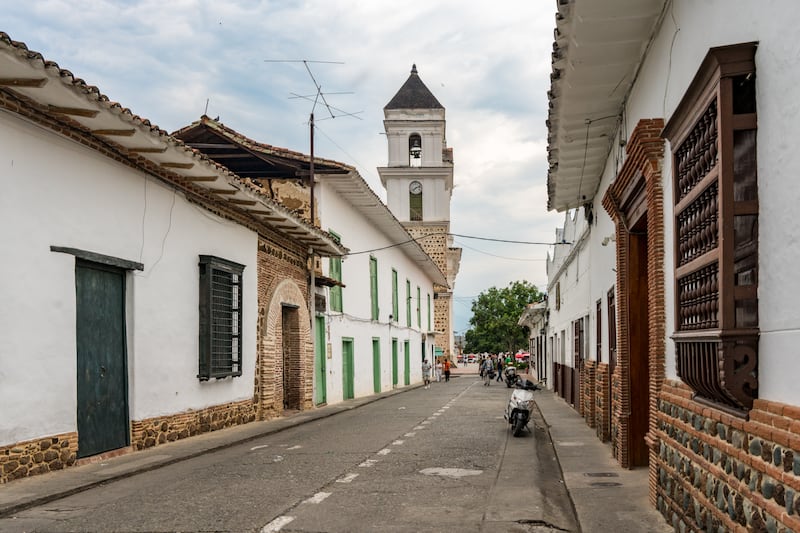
[{"x": 495, "y": 316}]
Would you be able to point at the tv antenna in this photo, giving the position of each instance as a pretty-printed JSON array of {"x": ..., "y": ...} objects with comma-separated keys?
[{"x": 315, "y": 98}]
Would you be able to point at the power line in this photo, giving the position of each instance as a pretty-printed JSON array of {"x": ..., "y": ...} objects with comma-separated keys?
[
  {"x": 417, "y": 239},
  {"x": 506, "y": 240},
  {"x": 498, "y": 256}
]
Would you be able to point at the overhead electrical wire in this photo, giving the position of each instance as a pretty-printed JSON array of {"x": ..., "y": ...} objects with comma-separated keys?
[{"x": 417, "y": 239}]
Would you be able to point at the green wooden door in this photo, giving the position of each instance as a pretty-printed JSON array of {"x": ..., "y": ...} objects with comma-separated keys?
[
  {"x": 407, "y": 362},
  {"x": 320, "y": 374},
  {"x": 348, "y": 373},
  {"x": 102, "y": 381},
  {"x": 376, "y": 364},
  {"x": 394, "y": 362}
]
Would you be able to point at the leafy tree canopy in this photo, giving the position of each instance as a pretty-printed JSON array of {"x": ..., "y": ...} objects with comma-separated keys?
[{"x": 495, "y": 316}]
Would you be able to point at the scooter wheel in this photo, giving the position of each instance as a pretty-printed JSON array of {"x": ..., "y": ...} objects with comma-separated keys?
[{"x": 517, "y": 426}]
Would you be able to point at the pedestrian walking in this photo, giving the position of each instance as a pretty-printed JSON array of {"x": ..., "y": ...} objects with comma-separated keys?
[
  {"x": 499, "y": 370},
  {"x": 438, "y": 368},
  {"x": 488, "y": 371},
  {"x": 446, "y": 367},
  {"x": 426, "y": 373}
]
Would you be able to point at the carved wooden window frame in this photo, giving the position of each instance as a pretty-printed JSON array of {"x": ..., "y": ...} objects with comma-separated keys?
[{"x": 712, "y": 135}]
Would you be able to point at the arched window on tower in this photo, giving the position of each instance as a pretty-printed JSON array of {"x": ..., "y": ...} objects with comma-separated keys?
[
  {"x": 415, "y": 201},
  {"x": 415, "y": 150}
]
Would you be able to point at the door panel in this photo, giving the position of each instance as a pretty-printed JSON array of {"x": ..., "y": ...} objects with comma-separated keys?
[
  {"x": 102, "y": 382},
  {"x": 347, "y": 369},
  {"x": 376, "y": 365},
  {"x": 407, "y": 361},
  {"x": 395, "y": 370},
  {"x": 320, "y": 367}
]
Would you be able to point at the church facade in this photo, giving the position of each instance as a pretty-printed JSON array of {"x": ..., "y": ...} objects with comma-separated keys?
[{"x": 419, "y": 185}]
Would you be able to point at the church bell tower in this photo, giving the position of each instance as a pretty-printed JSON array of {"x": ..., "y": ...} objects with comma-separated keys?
[{"x": 419, "y": 185}]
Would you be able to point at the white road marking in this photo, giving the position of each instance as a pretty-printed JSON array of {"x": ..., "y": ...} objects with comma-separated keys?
[
  {"x": 424, "y": 422},
  {"x": 368, "y": 463},
  {"x": 397, "y": 442},
  {"x": 446, "y": 406},
  {"x": 295, "y": 447},
  {"x": 385, "y": 451},
  {"x": 455, "y": 473},
  {"x": 318, "y": 497},
  {"x": 401, "y": 408},
  {"x": 277, "y": 458},
  {"x": 347, "y": 478},
  {"x": 418, "y": 427},
  {"x": 277, "y": 524},
  {"x": 259, "y": 447},
  {"x": 410, "y": 434},
  {"x": 437, "y": 414}
]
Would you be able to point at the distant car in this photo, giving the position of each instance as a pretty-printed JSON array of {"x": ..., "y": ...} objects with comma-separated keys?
[
  {"x": 460, "y": 358},
  {"x": 471, "y": 358}
]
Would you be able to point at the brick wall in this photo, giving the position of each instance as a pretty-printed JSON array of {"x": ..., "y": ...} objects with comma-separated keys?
[
  {"x": 282, "y": 279},
  {"x": 602, "y": 402},
  {"x": 645, "y": 152},
  {"x": 588, "y": 392},
  {"x": 717, "y": 472}
]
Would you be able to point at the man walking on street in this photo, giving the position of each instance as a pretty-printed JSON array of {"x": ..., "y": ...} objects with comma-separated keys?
[{"x": 488, "y": 370}]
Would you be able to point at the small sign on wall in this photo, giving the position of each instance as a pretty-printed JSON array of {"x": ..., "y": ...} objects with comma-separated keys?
[{"x": 329, "y": 350}]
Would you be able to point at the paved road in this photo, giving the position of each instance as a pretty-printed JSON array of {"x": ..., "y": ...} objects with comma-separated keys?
[{"x": 426, "y": 460}]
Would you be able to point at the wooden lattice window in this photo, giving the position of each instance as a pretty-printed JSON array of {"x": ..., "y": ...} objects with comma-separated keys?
[
  {"x": 220, "y": 318},
  {"x": 713, "y": 139}
]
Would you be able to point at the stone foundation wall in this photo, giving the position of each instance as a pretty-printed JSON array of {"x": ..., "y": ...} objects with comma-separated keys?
[
  {"x": 162, "y": 429},
  {"x": 38, "y": 456},
  {"x": 717, "y": 472}
]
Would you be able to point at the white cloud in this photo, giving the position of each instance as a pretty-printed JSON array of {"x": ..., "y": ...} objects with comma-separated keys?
[{"x": 488, "y": 65}]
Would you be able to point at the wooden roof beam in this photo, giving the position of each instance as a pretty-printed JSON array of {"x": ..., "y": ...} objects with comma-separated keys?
[
  {"x": 23, "y": 82},
  {"x": 114, "y": 133},
  {"x": 75, "y": 111}
]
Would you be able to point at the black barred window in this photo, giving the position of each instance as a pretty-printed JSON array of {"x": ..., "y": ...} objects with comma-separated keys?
[{"x": 220, "y": 318}]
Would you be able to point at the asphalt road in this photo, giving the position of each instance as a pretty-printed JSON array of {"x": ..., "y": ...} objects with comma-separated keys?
[{"x": 438, "y": 459}]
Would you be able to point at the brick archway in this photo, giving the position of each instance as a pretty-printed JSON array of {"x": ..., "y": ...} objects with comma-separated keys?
[
  {"x": 637, "y": 193},
  {"x": 270, "y": 392}
]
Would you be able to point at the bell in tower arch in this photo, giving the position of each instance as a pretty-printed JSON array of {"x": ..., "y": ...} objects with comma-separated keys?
[{"x": 415, "y": 150}]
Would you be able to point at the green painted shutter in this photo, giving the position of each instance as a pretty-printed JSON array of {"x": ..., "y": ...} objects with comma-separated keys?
[
  {"x": 373, "y": 286},
  {"x": 394, "y": 362},
  {"x": 395, "y": 299},
  {"x": 429, "y": 312},
  {"x": 376, "y": 364},
  {"x": 419, "y": 309},
  {"x": 348, "y": 372},
  {"x": 408, "y": 303},
  {"x": 321, "y": 386},
  {"x": 336, "y": 273},
  {"x": 407, "y": 362}
]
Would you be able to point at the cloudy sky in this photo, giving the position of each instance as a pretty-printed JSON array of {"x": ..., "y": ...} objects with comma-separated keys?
[{"x": 487, "y": 63}]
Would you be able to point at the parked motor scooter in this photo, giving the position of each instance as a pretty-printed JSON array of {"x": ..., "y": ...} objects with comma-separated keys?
[
  {"x": 518, "y": 410},
  {"x": 510, "y": 375}
]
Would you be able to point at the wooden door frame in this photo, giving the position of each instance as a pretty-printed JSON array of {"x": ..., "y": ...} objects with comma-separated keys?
[{"x": 636, "y": 191}]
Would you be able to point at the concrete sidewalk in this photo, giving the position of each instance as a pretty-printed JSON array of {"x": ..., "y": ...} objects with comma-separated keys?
[{"x": 605, "y": 496}]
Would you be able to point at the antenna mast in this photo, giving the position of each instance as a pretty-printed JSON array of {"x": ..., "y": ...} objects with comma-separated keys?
[{"x": 317, "y": 96}]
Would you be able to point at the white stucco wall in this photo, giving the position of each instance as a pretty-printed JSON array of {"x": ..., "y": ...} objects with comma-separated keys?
[
  {"x": 59, "y": 193},
  {"x": 666, "y": 73},
  {"x": 435, "y": 196},
  {"x": 359, "y": 234},
  {"x": 575, "y": 280}
]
